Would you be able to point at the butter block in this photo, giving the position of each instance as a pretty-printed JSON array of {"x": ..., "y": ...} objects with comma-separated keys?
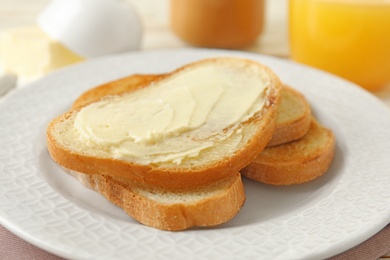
[{"x": 29, "y": 52}]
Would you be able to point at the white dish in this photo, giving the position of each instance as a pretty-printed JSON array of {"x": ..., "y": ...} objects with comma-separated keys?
[{"x": 50, "y": 209}]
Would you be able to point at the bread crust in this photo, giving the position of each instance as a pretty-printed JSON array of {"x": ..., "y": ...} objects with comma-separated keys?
[
  {"x": 217, "y": 203},
  {"x": 116, "y": 87},
  {"x": 167, "y": 176},
  {"x": 296, "y": 124},
  {"x": 296, "y": 162}
]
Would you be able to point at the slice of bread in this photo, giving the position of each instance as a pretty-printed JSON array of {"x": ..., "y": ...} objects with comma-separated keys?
[
  {"x": 294, "y": 117},
  {"x": 296, "y": 162},
  {"x": 227, "y": 156},
  {"x": 204, "y": 206}
]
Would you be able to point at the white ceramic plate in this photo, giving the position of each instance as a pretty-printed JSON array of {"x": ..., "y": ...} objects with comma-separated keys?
[{"x": 50, "y": 209}]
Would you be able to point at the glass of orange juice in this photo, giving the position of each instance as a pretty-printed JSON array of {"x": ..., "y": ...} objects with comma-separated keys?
[{"x": 349, "y": 38}]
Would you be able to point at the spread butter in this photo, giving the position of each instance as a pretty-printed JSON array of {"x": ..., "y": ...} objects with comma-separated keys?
[{"x": 176, "y": 118}]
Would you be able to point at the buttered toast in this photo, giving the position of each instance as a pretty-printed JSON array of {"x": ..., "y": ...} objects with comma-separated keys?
[
  {"x": 169, "y": 149},
  {"x": 170, "y": 155},
  {"x": 209, "y": 154},
  {"x": 293, "y": 121}
]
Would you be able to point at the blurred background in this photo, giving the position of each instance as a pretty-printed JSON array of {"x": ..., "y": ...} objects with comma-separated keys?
[
  {"x": 156, "y": 28},
  {"x": 349, "y": 38},
  {"x": 155, "y": 19}
]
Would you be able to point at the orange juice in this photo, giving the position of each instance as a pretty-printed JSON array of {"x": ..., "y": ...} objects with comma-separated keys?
[{"x": 350, "y": 38}]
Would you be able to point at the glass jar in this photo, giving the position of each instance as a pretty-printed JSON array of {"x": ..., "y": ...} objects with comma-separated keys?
[{"x": 217, "y": 23}]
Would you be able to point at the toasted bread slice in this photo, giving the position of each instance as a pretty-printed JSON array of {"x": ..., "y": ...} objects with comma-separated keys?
[
  {"x": 227, "y": 155},
  {"x": 294, "y": 117},
  {"x": 209, "y": 205},
  {"x": 296, "y": 162}
]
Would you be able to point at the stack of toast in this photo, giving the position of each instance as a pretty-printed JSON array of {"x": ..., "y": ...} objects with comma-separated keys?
[
  {"x": 300, "y": 150},
  {"x": 278, "y": 143}
]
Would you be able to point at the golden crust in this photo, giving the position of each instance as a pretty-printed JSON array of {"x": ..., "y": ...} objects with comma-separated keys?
[
  {"x": 291, "y": 126},
  {"x": 166, "y": 175},
  {"x": 213, "y": 205},
  {"x": 296, "y": 162},
  {"x": 116, "y": 87}
]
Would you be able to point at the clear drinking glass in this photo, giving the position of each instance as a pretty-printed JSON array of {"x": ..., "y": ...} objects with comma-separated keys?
[{"x": 349, "y": 38}]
